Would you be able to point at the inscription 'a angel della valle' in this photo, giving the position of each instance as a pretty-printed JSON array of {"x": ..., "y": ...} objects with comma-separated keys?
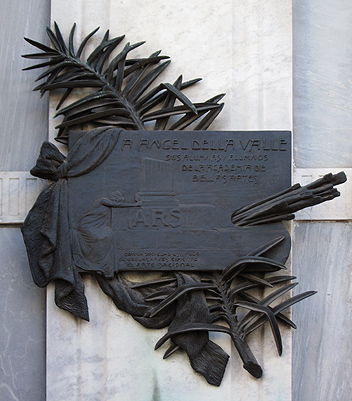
[
  {"x": 177, "y": 202},
  {"x": 161, "y": 202}
]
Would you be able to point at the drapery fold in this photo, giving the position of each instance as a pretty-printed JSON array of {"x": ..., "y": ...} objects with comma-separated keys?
[
  {"x": 46, "y": 230},
  {"x": 206, "y": 357},
  {"x": 47, "y": 237}
]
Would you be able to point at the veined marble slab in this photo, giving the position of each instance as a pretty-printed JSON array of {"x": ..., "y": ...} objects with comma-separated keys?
[
  {"x": 322, "y": 83},
  {"x": 239, "y": 48},
  {"x": 322, "y": 262}
]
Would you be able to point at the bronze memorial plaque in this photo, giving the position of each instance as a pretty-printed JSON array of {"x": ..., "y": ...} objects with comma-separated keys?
[
  {"x": 203, "y": 208},
  {"x": 163, "y": 200}
]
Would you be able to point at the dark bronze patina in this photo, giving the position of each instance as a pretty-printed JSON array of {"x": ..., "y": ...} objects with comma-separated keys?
[
  {"x": 164, "y": 201},
  {"x": 176, "y": 192}
]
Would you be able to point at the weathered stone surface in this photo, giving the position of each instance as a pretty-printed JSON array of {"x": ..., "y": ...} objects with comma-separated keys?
[
  {"x": 23, "y": 116},
  {"x": 322, "y": 344},
  {"x": 22, "y": 325},
  {"x": 23, "y": 128},
  {"x": 322, "y": 106}
]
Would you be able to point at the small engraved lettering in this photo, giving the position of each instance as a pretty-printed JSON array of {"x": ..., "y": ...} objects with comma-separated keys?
[{"x": 126, "y": 142}]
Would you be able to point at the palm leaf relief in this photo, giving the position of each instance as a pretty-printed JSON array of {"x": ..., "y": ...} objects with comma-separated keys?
[
  {"x": 122, "y": 94},
  {"x": 121, "y": 90},
  {"x": 226, "y": 292}
]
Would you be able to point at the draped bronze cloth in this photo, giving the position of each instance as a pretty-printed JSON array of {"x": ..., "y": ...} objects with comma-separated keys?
[
  {"x": 46, "y": 230},
  {"x": 47, "y": 237}
]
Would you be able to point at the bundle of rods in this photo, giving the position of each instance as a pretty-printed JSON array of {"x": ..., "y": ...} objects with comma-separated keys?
[{"x": 282, "y": 206}]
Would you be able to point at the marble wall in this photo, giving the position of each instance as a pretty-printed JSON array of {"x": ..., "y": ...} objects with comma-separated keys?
[
  {"x": 244, "y": 49},
  {"x": 23, "y": 128},
  {"x": 322, "y": 117},
  {"x": 23, "y": 113},
  {"x": 322, "y": 102},
  {"x": 22, "y": 324},
  {"x": 321, "y": 344},
  {"x": 240, "y": 49}
]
